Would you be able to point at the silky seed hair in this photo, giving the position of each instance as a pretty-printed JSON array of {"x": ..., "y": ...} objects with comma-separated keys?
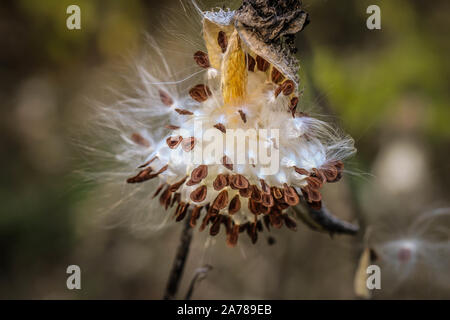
[{"x": 233, "y": 79}]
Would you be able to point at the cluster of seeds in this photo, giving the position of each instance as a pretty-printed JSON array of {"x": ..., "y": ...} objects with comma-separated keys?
[{"x": 218, "y": 194}]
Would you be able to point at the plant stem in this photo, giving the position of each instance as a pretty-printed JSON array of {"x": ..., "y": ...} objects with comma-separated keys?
[{"x": 180, "y": 260}]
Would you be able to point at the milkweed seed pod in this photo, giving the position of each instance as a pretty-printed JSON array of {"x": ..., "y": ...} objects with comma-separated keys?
[{"x": 249, "y": 93}]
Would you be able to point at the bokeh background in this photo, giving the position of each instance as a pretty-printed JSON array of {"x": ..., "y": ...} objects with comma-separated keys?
[{"x": 388, "y": 88}]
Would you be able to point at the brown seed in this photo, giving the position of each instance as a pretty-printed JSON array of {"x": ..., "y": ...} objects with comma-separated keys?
[
  {"x": 262, "y": 64},
  {"x": 221, "y": 200},
  {"x": 256, "y": 193},
  {"x": 200, "y": 93},
  {"x": 194, "y": 216},
  {"x": 288, "y": 87},
  {"x": 215, "y": 228},
  {"x": 243, "y": 116},
  {"x": 290, "y": 223},
  {"x": 220, "y": 182},
  {"x": 320, "y": 175},
  {"x": 239, "y": 181},
  {"x": 222, "y": 40},
  {"x": 264, "y": 186},
  {"x": 293, "y": 105},
  {"x": 276, "y": 192},
  {"x": 233, "y": 236},
  {"x": 276, "y": 220},
  {"x": 277, "y": 76},
  {"x": 188, "y": 144},
  {"x": 199, "y": 194},
  {"x": 140, "y": 140},
  {"x": 147, "y": 163},
  {"x": 267, "y": 200},
  {"x": 290, "y": 196},
  {"x": 220, "y": 127},
  {"x": 191, "y": 182},
  {"x": 201, "y": 58},
  {"x": 266, "y": 220},
  {"x": 181, "y": 211},
  {"x": 183, "y": 112},
  {"x": 314, "y": 183},
  {"x": 253, "y": 206},
  {"x": 176, "y": 198},
  {"x": 165, "y": 98},
  {"x": 235, "y": 205},
  {"x": 172, "y": 127},
  {"x": 174, "y": 187},
  {"x": 174, "y": 142},
  {"x": 245, "y": 193},
  {"x": 252, "y": 232},
  {"x": 311, "y": 195},
  {"x": 278, "y": 90},
  {"x": 146, "y": 174},
  {"x": 165, "y": 197},
  {"x": 330, "y": 173},
  {"x": 251, "y": 63},
  {"x": 158, "y": 190},
  {"x": 199, "y": 173},
  {"x": 301, "y": 171},
  {"x": 226, "y": 162}
]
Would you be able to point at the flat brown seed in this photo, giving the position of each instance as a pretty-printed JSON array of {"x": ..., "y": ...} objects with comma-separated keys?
[
  {"x": 226, "y": 162},
  {"x": 174, "y": 142},
  {"x": 278, "y": 90},
  {"x": 301, "y": 171},
  {"x": 147, "y": 163},
  {"x": 239, "y": 181},
  {"x": 220, "y": 127},
  {"x": 222, "y": 40},
  {"x": 188, "y": 144},
  {"x": 243, "y": 116},
  {"x": 288, "y": 87},
  {"x": 290, "y": 196},
  {"x": 221, "y": 200},
  {"x": 201, "y": 58},
  {"x": 256, "y": 193},
  {"x": 293, "y": 103},
  {"x": 191, "y": 182},
  {"x": 172, "y": 127},
  {"x": 165, "y": 98},
  {"x": 183, "y": 112},
  {"x": 199, "y": 173},
  {"x": 290, "y": 223},
  {"x": 220, "y": 182},
  {"x": 215, "y": 228},
  {"x": 245, "y": 193},
  {"x": 262, "y": 64},
  {"x": 200, "y": 93},
  {"x": 235, "y": 205},
  {"x": 251, "y": 63},
  {"x": 277, "y": 76},
  {"x": 253, "y": 206},
  {"x": 264, "y": 186},
  {"x": 194, "y": 216},
  {"x": 174, "y": 187},
  {"x": 314, "y": 183},
  {"x": 276, "y": 192},
  {"x": 199, "y": 194},
  {"x": 267, "y": 200},
  {"x": 158, "y": 190},
  {"x": 140, "y": 140},
  {"x": 232, "y": 237}
]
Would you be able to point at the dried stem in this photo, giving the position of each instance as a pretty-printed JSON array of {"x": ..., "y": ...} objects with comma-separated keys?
[{"x": 180, "y": 260}]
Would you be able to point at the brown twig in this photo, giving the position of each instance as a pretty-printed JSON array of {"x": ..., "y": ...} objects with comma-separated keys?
[{"x": 180, "y": 260}]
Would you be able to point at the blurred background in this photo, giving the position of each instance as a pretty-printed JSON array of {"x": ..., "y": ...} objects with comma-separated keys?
[{"x": 387, "y": 88}]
